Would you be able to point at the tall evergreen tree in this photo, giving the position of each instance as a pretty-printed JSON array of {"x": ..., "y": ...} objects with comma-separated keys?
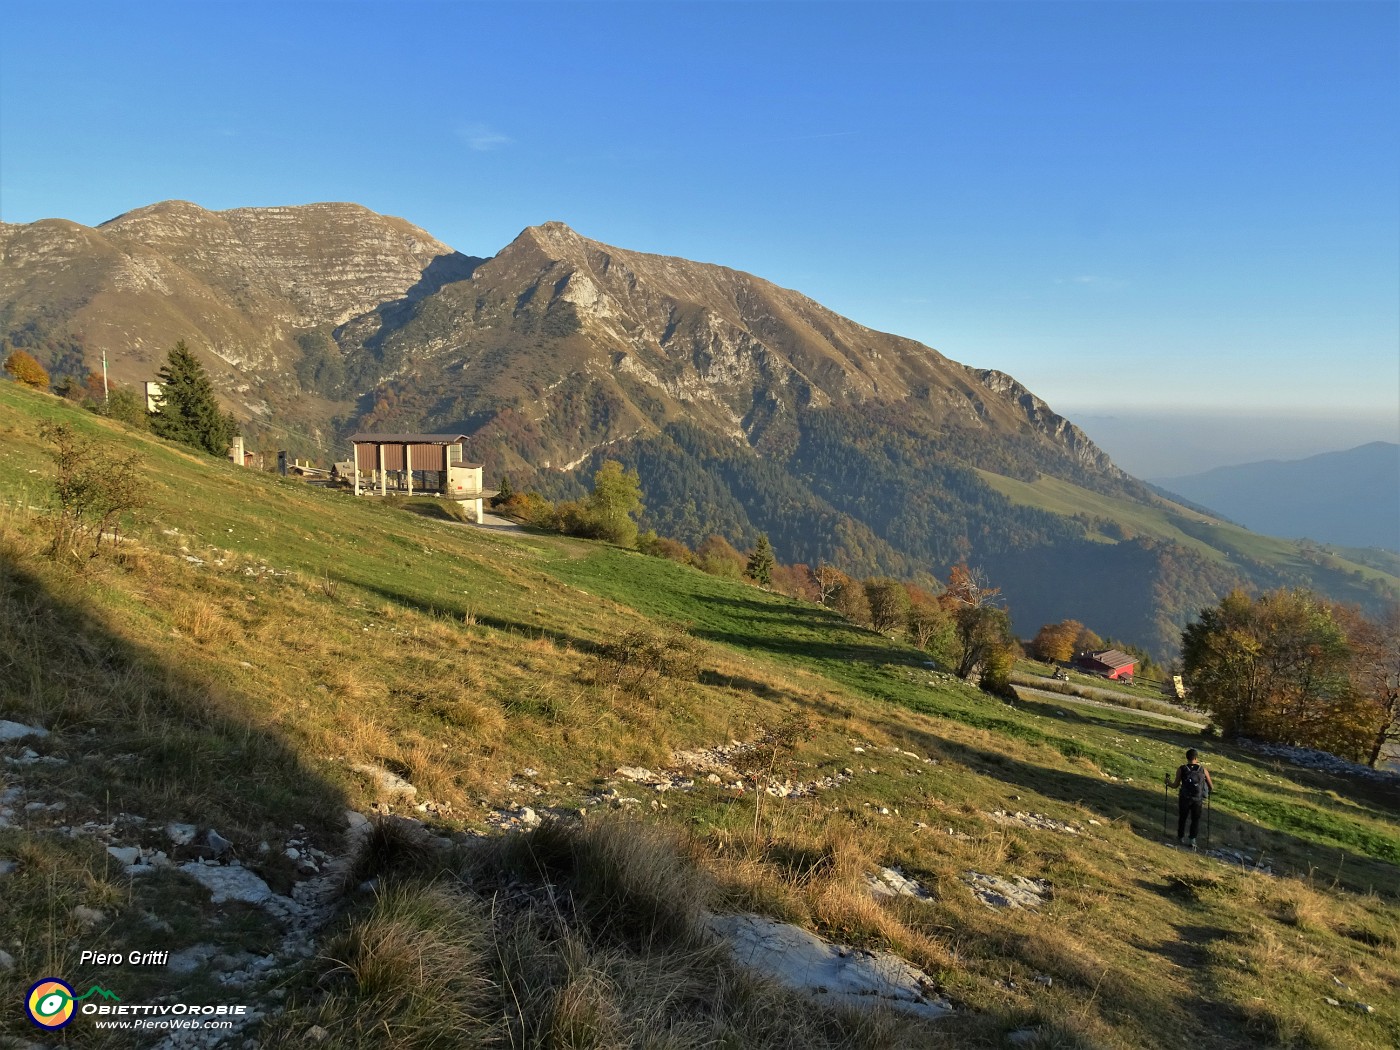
[
  {"x": 189, "y": 412},
  {"x": 760, "y": 566}
]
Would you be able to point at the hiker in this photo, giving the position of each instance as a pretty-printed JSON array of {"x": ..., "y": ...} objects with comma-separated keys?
[{"x": 1193, "y": 780}]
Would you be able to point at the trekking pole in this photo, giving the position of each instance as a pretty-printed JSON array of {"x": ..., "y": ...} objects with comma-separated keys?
[
  {"x": 1164, "y": 807},
  {"x": 1208, "y": 794}
]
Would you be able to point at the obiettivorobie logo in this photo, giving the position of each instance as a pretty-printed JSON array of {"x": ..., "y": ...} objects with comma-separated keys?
[{"x": 52, "y": 1003}]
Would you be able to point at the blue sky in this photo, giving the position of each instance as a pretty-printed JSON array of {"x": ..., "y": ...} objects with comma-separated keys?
[{"x": 1131, "y": 207}]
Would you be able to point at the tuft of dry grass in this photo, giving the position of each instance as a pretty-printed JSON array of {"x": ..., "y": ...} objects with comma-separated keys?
[{"x": 414, "y": 973}]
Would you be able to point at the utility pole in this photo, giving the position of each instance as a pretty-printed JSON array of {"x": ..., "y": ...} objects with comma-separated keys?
[{"x": 105, "y": 403}]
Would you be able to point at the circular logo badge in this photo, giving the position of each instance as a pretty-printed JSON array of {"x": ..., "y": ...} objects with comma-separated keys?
[{"x": 50, "y": 1003}]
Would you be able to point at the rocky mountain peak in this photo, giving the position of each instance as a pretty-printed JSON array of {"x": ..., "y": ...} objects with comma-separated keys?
[{"x": 1052, "y": 424}]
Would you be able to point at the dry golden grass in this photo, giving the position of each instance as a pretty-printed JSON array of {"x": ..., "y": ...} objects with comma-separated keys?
[
  {"x": 461, "y": 680},
  {"x": 413, "y": 973}
]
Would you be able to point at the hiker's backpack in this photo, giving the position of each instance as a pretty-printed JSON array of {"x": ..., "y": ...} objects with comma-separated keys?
[{"x": 1193, "y": 781}]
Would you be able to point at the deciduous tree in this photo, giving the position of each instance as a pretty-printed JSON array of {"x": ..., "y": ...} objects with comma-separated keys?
[
  {"x": 93, "y": 492},
  {"x": 1055, "y": 642},
  {"x": 825, "y": 579},
  {"x": 1375, "y": 671},
  {"x": 929, "y": 625},
  {"x": 27, "y": 370},
  {"x": 850, "y": 601},
  {"x": 889, "y": 604},
  {"x": 1277, "y": 668},
  {"x": 717, "y": 556},
  {"x": 615, "y": 503},
  {"x": 984, "y": 643}
]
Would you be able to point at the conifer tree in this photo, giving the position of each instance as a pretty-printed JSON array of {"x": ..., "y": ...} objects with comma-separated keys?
[
  {"x": 760, "y": 566},
  {"x": 189, "y": 412}
]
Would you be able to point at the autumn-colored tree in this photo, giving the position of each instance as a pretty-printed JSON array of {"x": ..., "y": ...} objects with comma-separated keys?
[
  {"x": 983, "y": 642},
  {"x": 1087, "y": 642},
  {"x": 1375, "y": 671},
  {"x": 889, "y": 604},
  {"x": 664, "y": 547},
  {"x": 717, "y": 556},
  {"x": 929, "y": 625},
  {"x": 26, "y": 370},
  {"x": 1277, "y": 668},
  {"x": 795, "y": 581},
  {"x": 850, "y": 601},
  {"x": 1055, "y": 642},
  {"x": 825, "y": 579}
]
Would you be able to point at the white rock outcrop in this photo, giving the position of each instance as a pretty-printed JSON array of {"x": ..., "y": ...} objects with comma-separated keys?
[{"x": 830, "y": 973}]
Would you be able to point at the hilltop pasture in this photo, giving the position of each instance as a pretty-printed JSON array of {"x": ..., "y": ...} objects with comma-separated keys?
[{"x": 253, "y": 644}]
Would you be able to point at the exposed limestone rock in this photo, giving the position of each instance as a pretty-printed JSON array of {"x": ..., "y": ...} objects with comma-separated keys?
[
  {"x": 18, "y": 730},
  {"x": 229, "y": 883},
  {"x": 1039, "y": 415},
  {"x": 1035, "y": 820},
  {"x": 892, "y": 883},
  {"x": 387, "y": 782},
  {"x": 1015, "y": 892},
  {"x": 828, "y": 972}
]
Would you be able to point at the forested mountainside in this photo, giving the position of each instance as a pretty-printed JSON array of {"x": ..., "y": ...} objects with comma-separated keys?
[{"x": 745, "y": 407}]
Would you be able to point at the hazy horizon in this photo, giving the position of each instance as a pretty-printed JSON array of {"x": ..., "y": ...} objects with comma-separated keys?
[
  {"x": 1145, "y": 203},
  {"x": 1156, "y": 443}
]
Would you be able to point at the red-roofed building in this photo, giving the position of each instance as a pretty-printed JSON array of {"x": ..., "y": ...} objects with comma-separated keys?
[{"x": 1107, "y": 662}]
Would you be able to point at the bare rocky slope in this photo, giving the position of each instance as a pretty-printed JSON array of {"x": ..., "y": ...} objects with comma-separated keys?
[
  {"x": 745, "y": 407},
  {"x": 239, "y": 286}
]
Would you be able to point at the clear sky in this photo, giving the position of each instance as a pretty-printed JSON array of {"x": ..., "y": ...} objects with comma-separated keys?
[{"x": 1131, "y": 207}]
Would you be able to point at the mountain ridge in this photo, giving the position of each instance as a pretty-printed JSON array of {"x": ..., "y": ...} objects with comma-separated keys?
[
  {"x": 747, "y": 408},
  {"x": 1349, "y": 497}
]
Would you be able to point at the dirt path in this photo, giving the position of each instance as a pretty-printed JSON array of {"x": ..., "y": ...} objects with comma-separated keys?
[
  {"x": 1045, "y": 694},
  {"x": 496, "y": 523}
]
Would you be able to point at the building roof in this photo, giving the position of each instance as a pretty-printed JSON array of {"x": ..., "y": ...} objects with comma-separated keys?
[
  {"x": 408, "y": 439},
  {"x": 1114, "y": 658}
]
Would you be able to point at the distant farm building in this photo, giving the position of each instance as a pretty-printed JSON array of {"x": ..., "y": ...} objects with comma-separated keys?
[
  {"x": 1108, "y": 662},
  {"x": 418, "y": 464},
  {"x": 240, "y": 456}
]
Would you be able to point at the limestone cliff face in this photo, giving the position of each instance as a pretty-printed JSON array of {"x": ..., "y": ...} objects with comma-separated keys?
[
  {"x": 298, "y": 267},
  {"x": 590, "y": 344},
  {"x": 1049, "y": 423},
  {"x": 237, "y": 285},
  {"x": 557, "y": 346}
]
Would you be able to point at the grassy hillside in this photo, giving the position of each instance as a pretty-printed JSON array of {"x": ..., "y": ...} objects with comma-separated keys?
[
  {"x": 253, "y": 640},
  {"x": 1190, "y": 556}
]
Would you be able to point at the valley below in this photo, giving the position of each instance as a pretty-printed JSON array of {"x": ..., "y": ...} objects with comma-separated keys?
[{"x": 387, "y": 779}]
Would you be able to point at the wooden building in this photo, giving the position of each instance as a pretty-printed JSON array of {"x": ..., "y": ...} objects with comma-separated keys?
[
  {"x": 1111, "y": 663},
  {"x": 418, "y": 464}
]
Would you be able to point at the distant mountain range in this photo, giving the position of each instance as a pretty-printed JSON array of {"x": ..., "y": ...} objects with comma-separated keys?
[
  {"x": 1349, "y": 498},
  {"x": 745, "y": 407}
]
